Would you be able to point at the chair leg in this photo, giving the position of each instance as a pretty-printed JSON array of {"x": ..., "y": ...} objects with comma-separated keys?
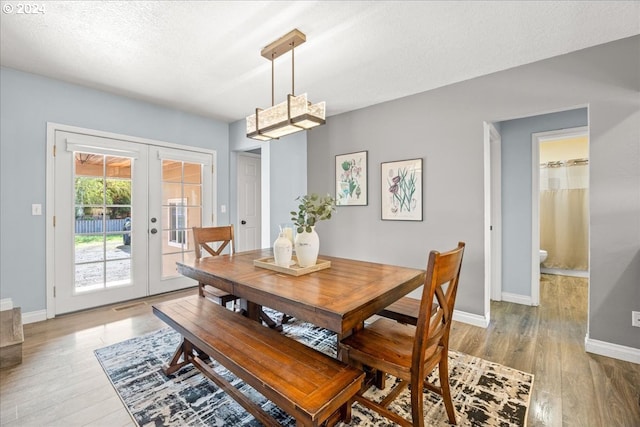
[
  {"x": 443, "y": 371},
  {"x": 417, "y": 403}
]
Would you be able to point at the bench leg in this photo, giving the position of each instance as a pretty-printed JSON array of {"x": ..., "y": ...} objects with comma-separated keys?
[{"x": 184, "y": 350}]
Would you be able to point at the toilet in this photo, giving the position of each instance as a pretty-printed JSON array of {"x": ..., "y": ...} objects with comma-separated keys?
[{"x": 543, "y": 255}]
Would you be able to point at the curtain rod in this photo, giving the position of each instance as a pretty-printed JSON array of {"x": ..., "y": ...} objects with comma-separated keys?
[{"x": 561, "y": 163}]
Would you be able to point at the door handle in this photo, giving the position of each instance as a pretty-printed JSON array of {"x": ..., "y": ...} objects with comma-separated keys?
[
  {"x": 243, "y": 222},
  {"x": 154, "y": 231}
]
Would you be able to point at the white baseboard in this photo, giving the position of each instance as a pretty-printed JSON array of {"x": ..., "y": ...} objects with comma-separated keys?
[
  {"x": 6, "y": 304},
  {"x": 603, "y": 348},
  {"x": 517, "y": 299},
  {"x": 470, "y": 319},
  {"x": 34, "y": 316}
]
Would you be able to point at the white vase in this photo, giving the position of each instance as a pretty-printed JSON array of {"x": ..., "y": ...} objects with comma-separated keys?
[
  {"x": 282, "y": 250},
  {"x": 307, "y": 247}
]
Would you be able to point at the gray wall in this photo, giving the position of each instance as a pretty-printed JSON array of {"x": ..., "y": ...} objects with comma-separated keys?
[
  {"x": 516, "y": 192},
  {"x": 27, "y": 103},
  {"x": 284, "y": 166},
  {"x": 445, "y": 128}
]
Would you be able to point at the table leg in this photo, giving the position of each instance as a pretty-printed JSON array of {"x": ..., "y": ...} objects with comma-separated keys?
[{"x": 255, "y": 312}]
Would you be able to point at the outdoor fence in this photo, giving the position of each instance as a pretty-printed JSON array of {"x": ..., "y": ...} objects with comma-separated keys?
[{"x": 91, "y": 226}]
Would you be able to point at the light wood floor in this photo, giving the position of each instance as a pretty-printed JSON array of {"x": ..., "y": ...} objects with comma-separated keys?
[{"x": 60, "y": 382}]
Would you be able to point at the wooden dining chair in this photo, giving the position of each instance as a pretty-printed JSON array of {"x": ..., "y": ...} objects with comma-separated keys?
[
  {"x": 405, "y": 310},
  {"x": 214, "y": 240},
  {"x": 409, "y": 352},
  {"x": 223, "y": 236}
]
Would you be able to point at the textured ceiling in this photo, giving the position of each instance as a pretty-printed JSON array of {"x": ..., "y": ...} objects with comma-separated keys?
[{"x": 204, "y": 57}]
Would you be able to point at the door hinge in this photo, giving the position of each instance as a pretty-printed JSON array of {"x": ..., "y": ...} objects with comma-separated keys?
[
  {"x": 54, "y": 150},
  {"x": 54, "y": 291},
  {"x": 54, "y": 220},
  {"x": 213, "y": 169}
]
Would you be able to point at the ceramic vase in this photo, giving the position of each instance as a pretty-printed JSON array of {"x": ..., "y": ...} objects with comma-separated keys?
[
  {"x": 282, "y": 250},
  {"x": 307, "y": 247}
]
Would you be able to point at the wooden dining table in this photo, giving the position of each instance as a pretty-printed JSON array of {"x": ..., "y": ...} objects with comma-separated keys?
[{"x": 339, "y": 298}]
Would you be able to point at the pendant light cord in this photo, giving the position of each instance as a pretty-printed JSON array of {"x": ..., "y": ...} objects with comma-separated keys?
[
  {"x": 293, "y": 69},
  {"x": 273, "y": 102}
]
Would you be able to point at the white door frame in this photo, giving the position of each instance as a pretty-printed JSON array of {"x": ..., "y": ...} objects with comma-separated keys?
[
  {"x": 493, "y": 214},
  {"x": 50, "y": 193},
  {"x": 536, "y": 140}
]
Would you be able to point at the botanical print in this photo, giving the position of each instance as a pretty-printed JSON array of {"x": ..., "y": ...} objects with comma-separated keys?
[
  {"x": 351, "y": 179},
  {"x": 402, "y": 190}
]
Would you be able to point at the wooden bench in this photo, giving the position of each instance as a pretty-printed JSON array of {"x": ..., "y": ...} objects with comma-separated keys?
[{"x": 307, "y": 384}]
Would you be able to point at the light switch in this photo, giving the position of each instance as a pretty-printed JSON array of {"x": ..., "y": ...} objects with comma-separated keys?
[
  {"x": 223, "y": 208},
  {"x": 36, "y": 209}
]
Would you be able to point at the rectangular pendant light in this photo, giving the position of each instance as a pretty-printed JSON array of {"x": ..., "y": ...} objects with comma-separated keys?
[{"x": 293, "y": 115}]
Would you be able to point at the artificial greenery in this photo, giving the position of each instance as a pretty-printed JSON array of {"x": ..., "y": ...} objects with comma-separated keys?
[{"x": 312, "y": 208}]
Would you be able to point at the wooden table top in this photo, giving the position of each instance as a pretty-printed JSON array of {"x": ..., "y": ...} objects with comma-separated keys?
[{"x": 338, "y": 298}]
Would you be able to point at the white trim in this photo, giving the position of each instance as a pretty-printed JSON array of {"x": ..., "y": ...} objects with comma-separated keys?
[
  {"x": 265, "y": 194},
  {"x": 616, "y": 351},
  {"x": 494, "y": 139},
  {"x": 34, "y": 316},
  {"x": 6, "y": 304},
  {"x": 536, "y": 139},
  {"x": 126, "y": 138},
  {"x": 73, "y": 145},
  {"x": 517, "y": 299},
  {"x": 50, "y": 231},
  {"x": 471, "y": 319},
  {"x": 486, "y": 151},
  {"x": 185, "y": 155}
]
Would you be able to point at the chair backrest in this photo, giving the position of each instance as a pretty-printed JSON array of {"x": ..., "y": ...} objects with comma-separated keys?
[
  {"x": 437, "y": 303},
  {"x": 205, "y": 236}
]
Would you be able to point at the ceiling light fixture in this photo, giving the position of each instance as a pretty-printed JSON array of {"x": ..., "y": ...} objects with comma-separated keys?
[{"x": 294, "y": 114}]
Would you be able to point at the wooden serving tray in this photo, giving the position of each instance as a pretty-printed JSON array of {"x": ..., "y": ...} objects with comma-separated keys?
[{"x": 294, "y": 270}]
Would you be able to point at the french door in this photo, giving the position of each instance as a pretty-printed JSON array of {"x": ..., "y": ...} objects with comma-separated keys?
[
  {"x": 181, "y": 198},
  {"x": 123, "y": 212}
]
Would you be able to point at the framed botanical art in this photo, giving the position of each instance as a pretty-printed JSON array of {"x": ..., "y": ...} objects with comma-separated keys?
[
  {"x": 351, "y": 179},
  {"x": 401, "y": 190}
]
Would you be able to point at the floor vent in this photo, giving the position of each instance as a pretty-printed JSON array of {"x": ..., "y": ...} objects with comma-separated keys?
[{"x": 127, "y": 307}]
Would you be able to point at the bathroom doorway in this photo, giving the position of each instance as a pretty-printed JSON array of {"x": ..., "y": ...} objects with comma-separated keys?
[{"x": 560, "y": 229}]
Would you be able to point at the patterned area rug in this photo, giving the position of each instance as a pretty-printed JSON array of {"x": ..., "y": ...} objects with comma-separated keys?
[{"x": 484, "y": 393}]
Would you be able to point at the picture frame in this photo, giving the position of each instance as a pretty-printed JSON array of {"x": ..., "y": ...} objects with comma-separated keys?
[
  {"x": 351, "y": 179},
  {"x": 401, "y": 190}
]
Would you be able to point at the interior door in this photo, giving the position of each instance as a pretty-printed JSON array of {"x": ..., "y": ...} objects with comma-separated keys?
[
  {"x": 180, "y": 197},
  {"x": 100, "y": 204},
  {"x": 248, "y": 232}
]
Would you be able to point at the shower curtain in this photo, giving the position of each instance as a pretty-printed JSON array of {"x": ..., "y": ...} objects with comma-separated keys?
[{"x": 564, "y": 215}]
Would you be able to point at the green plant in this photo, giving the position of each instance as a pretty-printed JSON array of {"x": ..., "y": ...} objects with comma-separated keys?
[{"x": 312, "y": 208}]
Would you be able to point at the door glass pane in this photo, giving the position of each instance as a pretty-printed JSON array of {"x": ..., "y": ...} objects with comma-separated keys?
[
  {"x": 181, "y": 210},
  {"x": 102, "y": 221},
  {"x": 192, "y": 173},
  {"x": 192, "y": 193}
]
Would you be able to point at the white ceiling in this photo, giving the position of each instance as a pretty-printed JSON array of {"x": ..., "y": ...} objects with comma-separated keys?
[{"x": 204, "y": 57}]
